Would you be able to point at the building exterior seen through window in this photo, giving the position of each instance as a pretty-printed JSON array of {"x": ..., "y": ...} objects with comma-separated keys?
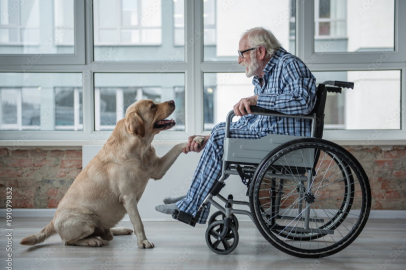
[{"x": 154, "y": 30}]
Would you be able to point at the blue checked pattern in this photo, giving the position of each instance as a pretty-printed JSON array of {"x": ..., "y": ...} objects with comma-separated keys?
[{"x": 289, "y": 87}]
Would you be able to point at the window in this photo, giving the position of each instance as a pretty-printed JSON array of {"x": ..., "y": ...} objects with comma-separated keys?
[
  {"x": 136, "y": 30},
  {"x": 70, "y": 68},
  {"x": 221, "y": 92},
  {"x": 335, "y": 21},
  {"x": 26, "y": 27},
  {"x": 114, "y": 92},
  {"x": 225, "y": 21},
  {"x": 373, "y": 104},
  {"x": 41, "y": 101}
]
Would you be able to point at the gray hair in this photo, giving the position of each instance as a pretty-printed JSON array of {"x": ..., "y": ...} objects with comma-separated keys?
[{"x": 259, "y": 36}]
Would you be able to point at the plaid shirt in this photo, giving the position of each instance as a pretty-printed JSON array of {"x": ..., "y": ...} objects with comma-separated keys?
[{"x": 288, "y": 87}]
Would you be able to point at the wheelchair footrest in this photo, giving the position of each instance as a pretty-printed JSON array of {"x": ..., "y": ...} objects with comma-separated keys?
[{"x": 185, "y": 217}]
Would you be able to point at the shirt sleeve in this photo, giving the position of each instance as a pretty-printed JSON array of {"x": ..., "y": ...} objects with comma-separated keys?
[{"x": 298, "y": 95}]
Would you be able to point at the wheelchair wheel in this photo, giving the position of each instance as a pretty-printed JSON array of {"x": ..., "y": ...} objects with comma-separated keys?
[
  {"x": 310, "y": 198},
  {"x": 218, "y": 216},
  {"x": 222, "y": 246}
]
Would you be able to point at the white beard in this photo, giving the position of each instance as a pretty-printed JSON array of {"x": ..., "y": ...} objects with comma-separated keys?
[{"x": 252, "y": 68}]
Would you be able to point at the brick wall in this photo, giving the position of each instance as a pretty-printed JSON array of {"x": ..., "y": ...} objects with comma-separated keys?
[{"x": 41, "y": 177}]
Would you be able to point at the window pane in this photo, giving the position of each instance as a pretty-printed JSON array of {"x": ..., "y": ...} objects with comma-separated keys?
[
  {"x": 34, "y": 26},
  {"x": 138, "y": 30},
  {"x": 221, "y": 92},
  {"x": 374, "y": 103},
  {"x": 68, "y": 107},
  {"x": 225, "y": 21},
  {"x": 9, "y": 102},
  {"x": 41, "y": 101},
  {"x": 114, "y": 92},
  {"x": 335, "y": 20}
]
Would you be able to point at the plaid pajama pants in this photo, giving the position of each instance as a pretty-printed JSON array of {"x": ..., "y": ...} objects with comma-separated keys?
[{"x": 208, "y": 170}]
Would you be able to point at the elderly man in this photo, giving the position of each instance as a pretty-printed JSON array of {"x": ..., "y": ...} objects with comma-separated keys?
[{"x": 282, "y": 83}]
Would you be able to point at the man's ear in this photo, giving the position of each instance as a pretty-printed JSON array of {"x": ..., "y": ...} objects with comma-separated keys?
[
  {"x": 135, "y": 125},
  {"x": 262, "y": 52}
]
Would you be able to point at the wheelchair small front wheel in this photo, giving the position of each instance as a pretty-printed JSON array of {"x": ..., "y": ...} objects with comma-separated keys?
[
  {"x": 225, "y": 245},
  {"x": 218, "y": 216}
]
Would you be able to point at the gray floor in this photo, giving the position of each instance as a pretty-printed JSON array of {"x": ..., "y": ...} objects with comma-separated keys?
[{"x": 381, "y": 246}]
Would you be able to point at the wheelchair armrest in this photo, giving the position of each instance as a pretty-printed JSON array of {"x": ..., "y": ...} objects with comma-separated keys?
[{"x": 261, "y": 111}]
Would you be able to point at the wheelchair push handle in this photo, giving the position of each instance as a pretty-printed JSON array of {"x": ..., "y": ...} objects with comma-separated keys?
[{"x": 340, "y": 84}]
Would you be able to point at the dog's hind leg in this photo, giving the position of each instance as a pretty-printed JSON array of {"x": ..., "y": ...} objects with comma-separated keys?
[
  {"x": 77, "y": 232},
  {"x": 121, "y": 231}
]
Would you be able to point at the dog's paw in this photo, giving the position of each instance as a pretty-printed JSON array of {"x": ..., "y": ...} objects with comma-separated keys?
[
  {"x": 199, "y": 140},
  {"x": 95, "y": 242},
  {"x": 145, "y": 244}
]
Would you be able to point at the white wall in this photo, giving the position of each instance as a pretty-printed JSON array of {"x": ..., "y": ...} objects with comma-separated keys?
[{"x": 175, "y": 183}]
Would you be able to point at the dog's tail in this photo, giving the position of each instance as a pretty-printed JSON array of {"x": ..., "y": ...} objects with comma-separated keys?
[{"x": 39, "y": 237}]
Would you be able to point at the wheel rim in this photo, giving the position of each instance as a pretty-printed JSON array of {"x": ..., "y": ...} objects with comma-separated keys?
[
  {"x": 221, "y": 246},
  {"x": 336, "y": 198}
]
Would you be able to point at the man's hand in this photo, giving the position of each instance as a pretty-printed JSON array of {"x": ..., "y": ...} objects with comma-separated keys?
[
  {"x": 195, "y": 144},
  {"x": 243, "y": 106}
]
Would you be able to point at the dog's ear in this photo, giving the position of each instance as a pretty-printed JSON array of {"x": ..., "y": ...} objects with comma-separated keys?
[{"x": 135, "y": 125}]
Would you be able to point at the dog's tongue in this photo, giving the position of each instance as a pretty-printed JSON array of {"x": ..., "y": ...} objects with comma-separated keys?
[{"x": 166, "y": 122}]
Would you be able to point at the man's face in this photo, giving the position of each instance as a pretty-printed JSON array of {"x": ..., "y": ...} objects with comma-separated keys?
[{"x": 249, "y": 60}]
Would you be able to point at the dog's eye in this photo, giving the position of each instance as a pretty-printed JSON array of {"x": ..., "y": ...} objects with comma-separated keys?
[{"x": 153, "y": 105}]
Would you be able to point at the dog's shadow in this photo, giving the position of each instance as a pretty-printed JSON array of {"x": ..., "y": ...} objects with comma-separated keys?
[{"x": 42, "y": 246}]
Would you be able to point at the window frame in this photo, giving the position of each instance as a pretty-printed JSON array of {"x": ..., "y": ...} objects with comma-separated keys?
[
  {"x": 78, "y": 57},
  {"x": 194, "y": 68}
]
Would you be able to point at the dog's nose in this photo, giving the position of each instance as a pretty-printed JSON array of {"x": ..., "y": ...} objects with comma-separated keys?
[{"x": 171, "y": 102}]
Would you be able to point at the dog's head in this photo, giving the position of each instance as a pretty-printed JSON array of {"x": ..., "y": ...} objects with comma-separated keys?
[{"x": 145, "y": 117}]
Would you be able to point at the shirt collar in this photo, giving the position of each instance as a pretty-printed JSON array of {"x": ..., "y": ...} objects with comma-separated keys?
[{"x": 272, "y": 62}]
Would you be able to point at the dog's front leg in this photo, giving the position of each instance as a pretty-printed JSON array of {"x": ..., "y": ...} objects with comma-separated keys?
[
  {"x": 162, "y": 165},
  {"x": 131, "y": 205}
]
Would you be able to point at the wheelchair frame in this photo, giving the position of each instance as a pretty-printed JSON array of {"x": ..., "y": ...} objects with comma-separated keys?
[{"x": 237, "y": 151}]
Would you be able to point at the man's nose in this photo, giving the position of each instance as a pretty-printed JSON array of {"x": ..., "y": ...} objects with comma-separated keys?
[{"x": 239, "y": 60}]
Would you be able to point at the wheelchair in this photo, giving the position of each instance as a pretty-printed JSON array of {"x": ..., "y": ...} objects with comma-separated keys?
[{"x": 308, "y": 197}]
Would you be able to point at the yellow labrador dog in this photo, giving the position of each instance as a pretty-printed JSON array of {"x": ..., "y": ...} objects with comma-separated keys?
[{"x": 113, "y": 182}]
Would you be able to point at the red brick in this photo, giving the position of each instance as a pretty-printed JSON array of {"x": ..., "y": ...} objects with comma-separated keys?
[
  {"x": 20, "y": 153},
  {"x": 400, "y": 174},
  {"x": 19, "y": 162},
  {"x": 23, "y": 203},
  {"x": 390, "y": 154},
  {"x": 52, "y": 192},
  {"x": 384, "y": 163},
  {"x": 401, "y": 153},
  {"x": 376, "y": 205},
  {"x": 3, "y": 152},
  {"x": 385, "y": 184},
  {"x": 71, "y": 163},
  {"x": 26, "y": 183},
  {"x": 74, "y": 173},
  {"x": 52, "y": 203},
  {"x": 57, "y": 153},
  {"x": 23, "y": 193},
  {"x": 44, "y": 162},
  {"x": 38, "y": 153},
  {"x": 392, "y": 195},
  {"x": 9, "y": 173},
  {"x": 378, "y": 195},
  {"x": 10, "y": 183},
  {"x": 61, "y": 173},
  {"x": 73, "y": 154}
]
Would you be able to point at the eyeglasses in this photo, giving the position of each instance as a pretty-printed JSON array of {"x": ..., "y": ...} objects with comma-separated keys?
[{"x": 241, "y": 53}]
